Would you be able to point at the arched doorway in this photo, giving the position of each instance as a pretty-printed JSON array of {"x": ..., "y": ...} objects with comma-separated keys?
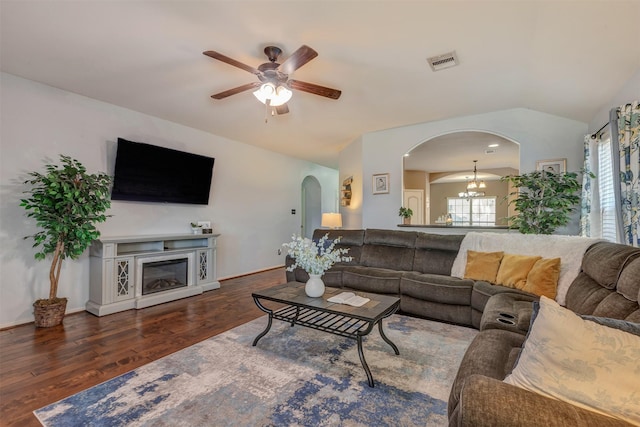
[
  {"x": 439, "y": 169},
  {"x": 311, "y": 206}
]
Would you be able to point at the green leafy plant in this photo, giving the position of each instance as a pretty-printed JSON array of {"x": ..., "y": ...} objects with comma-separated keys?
[
  {"x": 405, "y": 212},
  {"x": 543, "y": 200},
  {"x": 66, "y": 202}
]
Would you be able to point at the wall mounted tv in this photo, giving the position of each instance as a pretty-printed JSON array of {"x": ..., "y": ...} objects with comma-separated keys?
[{"x": 148, "y": 173}]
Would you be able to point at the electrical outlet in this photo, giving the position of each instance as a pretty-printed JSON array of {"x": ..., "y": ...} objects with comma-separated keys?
[{"x": 293, "y": 211}]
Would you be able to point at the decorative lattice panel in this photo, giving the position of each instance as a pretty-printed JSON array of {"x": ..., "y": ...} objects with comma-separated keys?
[
  {"x": 203, "y": 264},
  {"x": 123, "y": 278}
]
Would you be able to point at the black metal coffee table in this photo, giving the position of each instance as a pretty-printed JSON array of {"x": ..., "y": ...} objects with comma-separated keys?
[{"x": 318, "y": 313}]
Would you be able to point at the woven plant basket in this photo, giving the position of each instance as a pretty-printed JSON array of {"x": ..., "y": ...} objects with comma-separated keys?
[{"x": 50, "y": 313}]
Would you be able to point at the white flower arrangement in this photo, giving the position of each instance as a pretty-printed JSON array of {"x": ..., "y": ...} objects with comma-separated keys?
[{"x": 315, "y": 257}]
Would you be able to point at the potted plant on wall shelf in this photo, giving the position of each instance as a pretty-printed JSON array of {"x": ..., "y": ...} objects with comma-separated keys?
[
  {"x": 406, "y": 214},
  {"x": 543, "y": 200},
  {"x": 66, "y": 203}
]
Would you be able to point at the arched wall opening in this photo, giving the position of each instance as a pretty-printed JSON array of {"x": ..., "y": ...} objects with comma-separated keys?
[{"x": 440, "y": 168}]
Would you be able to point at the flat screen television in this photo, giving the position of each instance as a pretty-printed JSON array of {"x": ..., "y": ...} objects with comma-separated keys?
[{"x": 148, "y": 173}]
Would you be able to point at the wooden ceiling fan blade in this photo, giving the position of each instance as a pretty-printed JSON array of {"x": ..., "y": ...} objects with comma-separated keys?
[
  {"x": 220, "y": 57},
  {"x": 236, "y": 90},
  {"x": 281, "y": 109},
  {"x": 315, "y": 89},
  {"x": 297, "y": 59}
]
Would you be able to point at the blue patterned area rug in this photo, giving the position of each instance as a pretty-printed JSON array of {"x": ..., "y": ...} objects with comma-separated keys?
[{"x": 294, "y": 376}]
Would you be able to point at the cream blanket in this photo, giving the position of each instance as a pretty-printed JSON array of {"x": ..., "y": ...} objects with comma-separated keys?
[{"x": 570, "y": 250}]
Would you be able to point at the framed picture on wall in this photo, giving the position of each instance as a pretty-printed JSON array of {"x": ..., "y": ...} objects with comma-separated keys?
[
  {"x": 553, "y": 165},
  {"x": 380, "y": 183}
]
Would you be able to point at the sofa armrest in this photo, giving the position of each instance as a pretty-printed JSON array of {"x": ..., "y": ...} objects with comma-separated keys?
[{"x": 488, "y": 402}]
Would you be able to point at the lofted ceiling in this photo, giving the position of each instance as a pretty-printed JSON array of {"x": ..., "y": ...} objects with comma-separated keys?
[{"x": 567, "y": 58}]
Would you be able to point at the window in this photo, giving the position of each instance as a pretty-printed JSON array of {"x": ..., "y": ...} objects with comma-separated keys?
[
  {"x": 475, "y": 211},
  {"x": 604, "y": 175}
]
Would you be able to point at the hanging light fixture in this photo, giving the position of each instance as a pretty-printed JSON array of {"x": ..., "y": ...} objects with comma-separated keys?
[
  {"x": 474, "y": 185},
  {"x": 273, "y": 95}
]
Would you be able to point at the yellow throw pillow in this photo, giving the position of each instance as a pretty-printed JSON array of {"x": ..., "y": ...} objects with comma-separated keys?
[
  {"x": 543, "y": 278},
  {"x": 482, "y": 265},
  {"x": 514, "y": 270}
]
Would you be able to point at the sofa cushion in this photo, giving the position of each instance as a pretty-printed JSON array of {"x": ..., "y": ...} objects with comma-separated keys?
[
  {"x": 389, "y": 257},
  {"x": 488, "y": 402},
  {"x": 451, "y": 313},
  {"x": 349, "y": 239},
  {"x": 405, "y": 239},
  {"x": 543, "y": 278},
  {"x": 581, "y": 362},
  {"x": 514, "y": 270},
  {"x": 629, "y": 281},
  {"x": 491, "y": 353},
  {"x": 482, "y": 291},
  {"x": 388, "y": 249},
  {"x": 483, "y": 265},
  {"x": 437, "y": 288},
  {"x": 586, "y": 296},
  {"x": 435, "y": 253},
  {"x": 604, "y": 262},
  {"x": 369, "y": 279}
]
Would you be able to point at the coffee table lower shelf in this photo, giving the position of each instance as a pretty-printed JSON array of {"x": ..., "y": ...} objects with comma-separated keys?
[{"x": 336, "y": 323}]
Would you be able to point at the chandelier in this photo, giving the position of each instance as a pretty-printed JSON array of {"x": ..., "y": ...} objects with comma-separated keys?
[{"x": 474, "y": 185}]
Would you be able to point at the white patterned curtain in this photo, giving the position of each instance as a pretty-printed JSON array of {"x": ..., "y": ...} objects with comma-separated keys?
[
  {"x": 628, "y": 137},
  {"x": 586, "y": 208}
]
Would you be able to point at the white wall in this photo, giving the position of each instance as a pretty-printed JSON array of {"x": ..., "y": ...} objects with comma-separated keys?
[
  {"x": 350, "y": 164},
  {"x": 253, "y": 190},
  {"x": 630, "y": 91},
  {"x": 541, "y": 136}
]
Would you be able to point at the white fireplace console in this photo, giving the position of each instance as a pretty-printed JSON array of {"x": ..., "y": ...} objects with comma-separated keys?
[{"x": 117, "y": 264}]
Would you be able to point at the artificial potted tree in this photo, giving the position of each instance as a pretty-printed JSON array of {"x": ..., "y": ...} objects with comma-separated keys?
[
  {"x": 406, "y": 214},
  {"x": 66, "y": 203},
  {"x": 544, "y": 200}
]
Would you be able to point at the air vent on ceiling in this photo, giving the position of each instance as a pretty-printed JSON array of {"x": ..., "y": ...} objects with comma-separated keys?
[
  {"x": 441, "y": 62},
  {"x": 489, "y": 151}
]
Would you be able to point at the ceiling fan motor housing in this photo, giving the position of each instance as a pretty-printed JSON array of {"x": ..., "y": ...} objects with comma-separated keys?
[{"x": 272, "y": 52}]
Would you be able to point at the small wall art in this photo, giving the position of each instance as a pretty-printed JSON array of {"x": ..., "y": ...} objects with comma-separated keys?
[
  {"x": 380, "y": 183},
  {"x": 552, "y": 165}
]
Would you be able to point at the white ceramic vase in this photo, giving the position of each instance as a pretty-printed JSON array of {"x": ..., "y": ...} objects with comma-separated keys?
[{"x": 315, "y": 286}]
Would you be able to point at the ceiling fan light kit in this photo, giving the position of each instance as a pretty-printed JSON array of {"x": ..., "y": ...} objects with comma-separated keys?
[
  {"x": 274, "y": 96},
  {"x": 274, "y": 85}
]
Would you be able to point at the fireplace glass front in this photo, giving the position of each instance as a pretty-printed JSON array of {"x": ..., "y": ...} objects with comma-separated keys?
[{"x": 164, "y": 275}]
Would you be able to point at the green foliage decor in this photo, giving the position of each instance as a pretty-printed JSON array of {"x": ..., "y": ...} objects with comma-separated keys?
[
  {"x": 405, "y": 212},
  {"x": 66, "y": 202},
  {"x": 544, "y": 200}
]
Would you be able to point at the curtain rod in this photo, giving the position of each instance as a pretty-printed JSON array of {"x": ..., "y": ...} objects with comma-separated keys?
[{"x": 596, "y": 133}]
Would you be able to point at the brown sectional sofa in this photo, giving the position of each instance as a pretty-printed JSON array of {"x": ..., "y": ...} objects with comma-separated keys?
[
  {"x": 416, "y": 267},
  {"x": 413, "y": 265}
]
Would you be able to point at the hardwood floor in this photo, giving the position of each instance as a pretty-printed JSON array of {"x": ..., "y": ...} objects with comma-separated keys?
[{"x": 42, "y": 366}]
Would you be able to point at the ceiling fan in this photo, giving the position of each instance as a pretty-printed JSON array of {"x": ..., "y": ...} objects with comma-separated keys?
[{"x": 274, "y": 85}]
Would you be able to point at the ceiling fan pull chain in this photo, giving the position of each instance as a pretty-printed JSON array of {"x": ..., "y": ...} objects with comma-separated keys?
[{"x": 266, "y": 110}]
